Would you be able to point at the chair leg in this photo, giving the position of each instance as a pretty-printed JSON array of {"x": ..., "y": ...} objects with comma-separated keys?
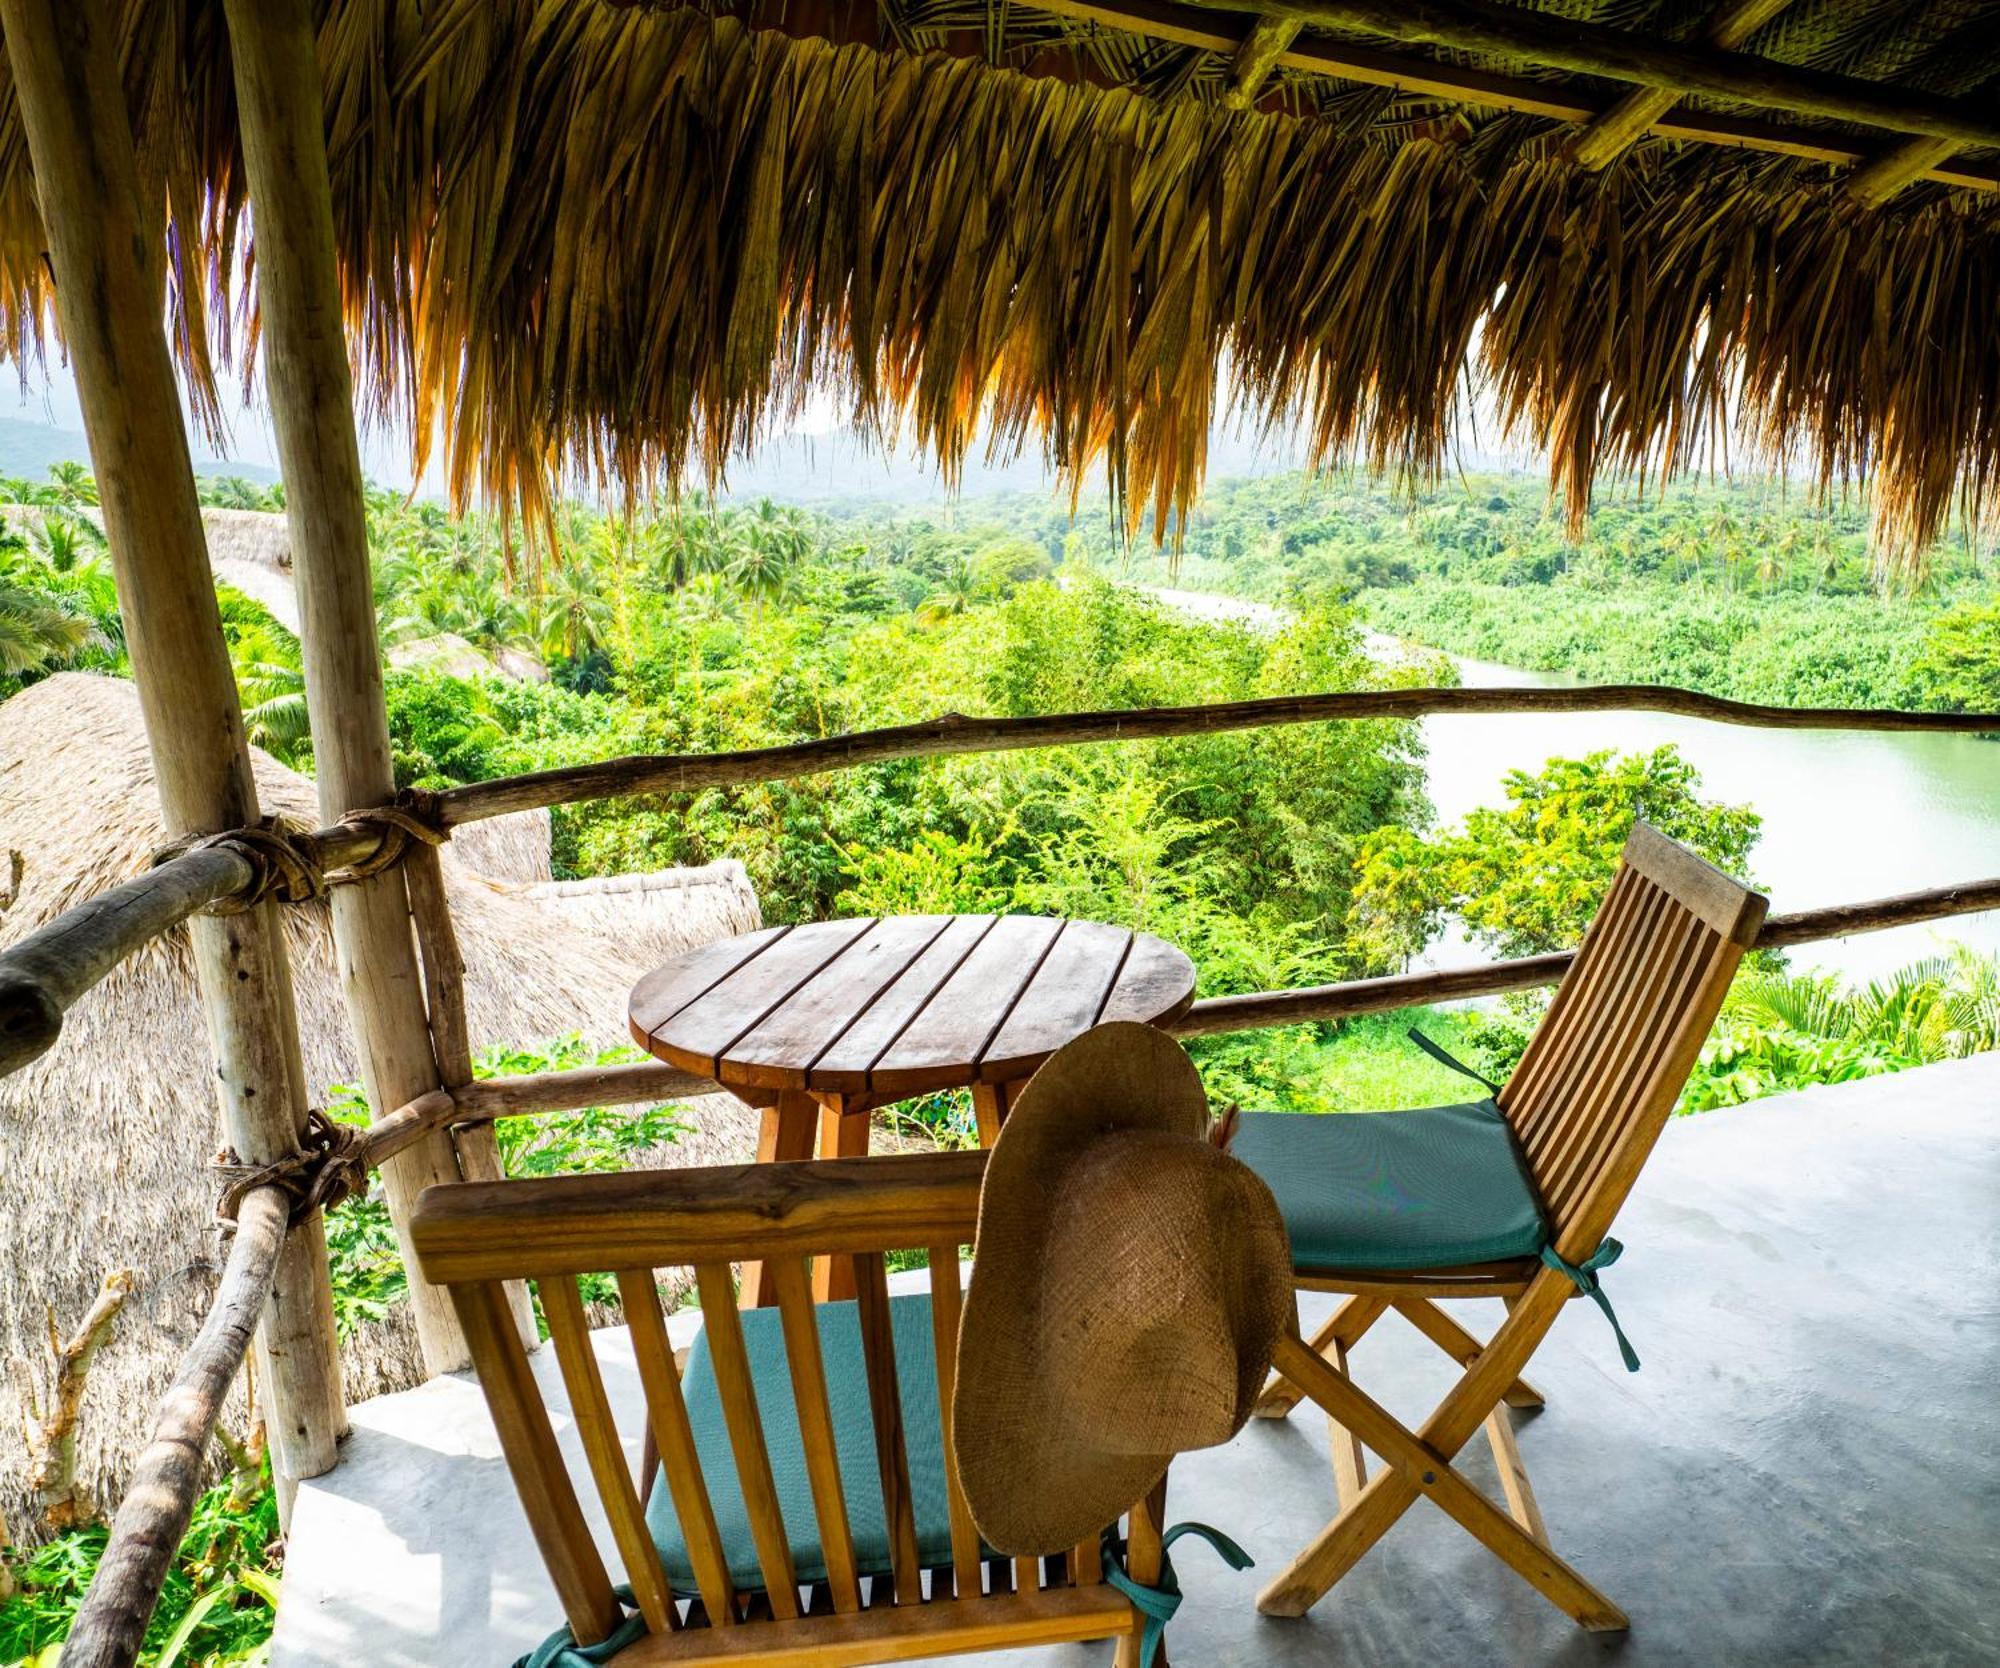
[
  {"x": 1420, "y": 1463},
  {"x": 1143, "y": 1560},
  {"x": 1460, "y": 1345},
  {"x": 1350, "y": 1459},
  {"x": 1514, "y": 1484},
  {"x": 1342, "y": 1330}
]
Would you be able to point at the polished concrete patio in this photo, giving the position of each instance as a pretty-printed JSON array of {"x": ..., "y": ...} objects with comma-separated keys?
[{"x": 1807, "y": 1470}]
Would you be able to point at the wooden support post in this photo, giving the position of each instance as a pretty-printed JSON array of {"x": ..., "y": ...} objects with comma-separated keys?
[
  {"x": 1874, "y": 184},
  {"x": 109, "y": 293},
  {"x": 280, "y": 106}
]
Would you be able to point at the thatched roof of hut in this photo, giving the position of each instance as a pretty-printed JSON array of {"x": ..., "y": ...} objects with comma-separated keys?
[
  {"x": 251, "y": 549},
  {"x": 105, "y": 1140},
  {"x": 617, "y": 237}
]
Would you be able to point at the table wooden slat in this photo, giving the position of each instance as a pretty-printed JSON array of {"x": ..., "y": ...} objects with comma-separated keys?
[
  {"x": 844, "y": 1067},
  {"x": 1156, "y": 983},
  {"x": 1062, "y": 1001},
  {"x": 780, "y": 1052},
  {"x": 667, "y": 990},
  {"x": 940, "y": 1044},
  {"x": 699, "y": 1037}
]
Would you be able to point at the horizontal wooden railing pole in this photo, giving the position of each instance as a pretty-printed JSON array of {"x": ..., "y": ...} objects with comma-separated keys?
[
  {"x": 49, "y": 969},
  {"x": 1261, "y": 1009},
  {"x": 45, "y": 972},
  {"x": 527, "y": 1097},
  {"x": 153, "y": 1516},
  {"x": 956, "y": 734},
  {"x": 566, "y": 1091}
]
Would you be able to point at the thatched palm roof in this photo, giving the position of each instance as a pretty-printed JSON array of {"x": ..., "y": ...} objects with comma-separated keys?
[
  {"x": 105, "y": 1141},
  {"x": 619, "y": 237}
]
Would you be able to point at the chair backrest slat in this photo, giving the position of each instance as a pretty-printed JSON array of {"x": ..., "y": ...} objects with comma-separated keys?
[
  {"x": 1534, "y": 1091},
  {"x": 542, "y": 1480},
  {"x": 885, "y": 1405},
  {"x": 1605, "y": 1066},
  {"x": 947, "y": 1302},
  {"x": 792, "y": 1281},
  {"x": 569, "y": 1330},
  {"x": 1683, "y": 968},
  {"x": 1630, "y": 999},
  {"x": 737, "y": 1393},
  {"x": 673, "y": 1435}
]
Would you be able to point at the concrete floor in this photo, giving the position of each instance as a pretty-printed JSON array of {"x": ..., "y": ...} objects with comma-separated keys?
[{"x": 1807, "y": 1471}]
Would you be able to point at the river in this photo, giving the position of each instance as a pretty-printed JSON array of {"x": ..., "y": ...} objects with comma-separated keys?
[{"x": 1846, "y": 815}]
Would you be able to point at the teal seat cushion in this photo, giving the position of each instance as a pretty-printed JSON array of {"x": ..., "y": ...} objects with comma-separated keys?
[
  {"x": 854, "y": 1441},
  {"x": 1395, "y": 1190}
]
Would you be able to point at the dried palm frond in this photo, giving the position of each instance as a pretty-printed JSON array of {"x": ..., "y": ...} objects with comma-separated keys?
[{"x": 617, "y": 242}]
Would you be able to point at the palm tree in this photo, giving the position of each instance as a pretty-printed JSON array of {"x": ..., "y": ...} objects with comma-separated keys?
[
  {"x": 38, "y": 633},
  {"x": 72, "y": 485},
  {"x": 575, "y": 618},
  {"x": 953, "y": 593}
]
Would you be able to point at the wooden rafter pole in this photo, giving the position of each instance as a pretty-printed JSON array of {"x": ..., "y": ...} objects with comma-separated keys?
[
  {"x": 1339, "y": 60},
  {"x": 1609, "y": 136},
  {"x": 280, "y": 106},
  {"x": 1914, "y": 159},
  {"x": 1559, "y": 43},
  {"x": 1257, "y": 57},
  {"x": 106, "y": 259}
]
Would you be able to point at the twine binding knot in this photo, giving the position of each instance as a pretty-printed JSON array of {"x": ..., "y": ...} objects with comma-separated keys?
[
  {"x": 412, "y": 816},
  {"x": 282, "y": 856},
  {"x": 330, "y": 1166}
]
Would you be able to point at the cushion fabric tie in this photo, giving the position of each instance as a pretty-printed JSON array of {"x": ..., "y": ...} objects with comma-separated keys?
[
  {"x": 1444, "y": 1057},
  {"x": 1158, "y": 1604},
  {"x": 560, "y": 1649},
  {"x": 1584, "y": 1274}
]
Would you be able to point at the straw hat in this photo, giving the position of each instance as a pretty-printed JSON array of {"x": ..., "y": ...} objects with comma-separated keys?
[{"x": 1130, "y": 1283}]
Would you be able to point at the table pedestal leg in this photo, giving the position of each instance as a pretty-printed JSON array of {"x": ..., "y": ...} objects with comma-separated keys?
[
  {"x": 990, "y": 1102},
  {"x": 786, "y": 1136},
  {"x": 842, "y": 1134}
]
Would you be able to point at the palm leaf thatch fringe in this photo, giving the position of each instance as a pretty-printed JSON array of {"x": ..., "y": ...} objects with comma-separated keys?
[
  {"x": 615, "y": 242},
  {"x": 105, "y": 1139}
]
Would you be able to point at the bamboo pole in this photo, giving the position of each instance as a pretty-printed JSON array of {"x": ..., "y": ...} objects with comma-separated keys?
[
  {"x": 110, "y": 296},
  {"x": 1343, "y": 60},
  {"x": 159, "y": 1500},
  {"x": 1560, "y": 43},
  {"x": 280, "y": 106},
  {"x": 954, "y": 734},
  {"x": 1610, "y": 135}
]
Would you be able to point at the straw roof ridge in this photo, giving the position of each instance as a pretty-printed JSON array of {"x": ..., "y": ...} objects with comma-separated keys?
[
  {"x": 105, "y": 1141},
  {"x": 953, "y": 243}
]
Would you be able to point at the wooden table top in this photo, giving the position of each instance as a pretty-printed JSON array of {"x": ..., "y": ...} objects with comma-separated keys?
[{"x": 881, "y": 1009}]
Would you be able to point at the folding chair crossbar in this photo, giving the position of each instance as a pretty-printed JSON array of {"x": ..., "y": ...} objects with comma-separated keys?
[{"x": 1586, "y": 1105}]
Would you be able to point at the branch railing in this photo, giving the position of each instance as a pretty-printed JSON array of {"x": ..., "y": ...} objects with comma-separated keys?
[{"x": 47, "y": 971}]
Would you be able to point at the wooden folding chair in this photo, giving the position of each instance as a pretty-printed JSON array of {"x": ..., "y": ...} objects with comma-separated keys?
[
  {"x": 1510, "y": 1197},
  {"x": 808, "y": 1508}
]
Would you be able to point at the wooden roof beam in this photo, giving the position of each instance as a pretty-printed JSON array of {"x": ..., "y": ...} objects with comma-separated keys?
[
  {"x": 1258, "y": 56},
  {"x": 1617, "y": 130},
  {"x": 1914, "y": 159},
  {"x": 1559, "y": 43},
  {"x": 1219, "y": 31}
]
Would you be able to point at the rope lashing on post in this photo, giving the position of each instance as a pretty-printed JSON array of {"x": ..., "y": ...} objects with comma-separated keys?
[
  {"x": 286, "y": 859},
  {"x": 330, "y": 1166},
  {"x": 400, "y": 823},
  {"x": 282, "y": 856}
]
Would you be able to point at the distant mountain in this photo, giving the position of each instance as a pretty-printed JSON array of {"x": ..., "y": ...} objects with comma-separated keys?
[{"x": 27, "y": 449}]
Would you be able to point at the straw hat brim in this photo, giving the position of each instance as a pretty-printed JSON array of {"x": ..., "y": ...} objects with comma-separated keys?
[{"x": 1037, "y": 1482}]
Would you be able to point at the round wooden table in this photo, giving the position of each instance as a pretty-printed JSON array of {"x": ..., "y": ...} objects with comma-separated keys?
[{"x": 821, "y": 1024}]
